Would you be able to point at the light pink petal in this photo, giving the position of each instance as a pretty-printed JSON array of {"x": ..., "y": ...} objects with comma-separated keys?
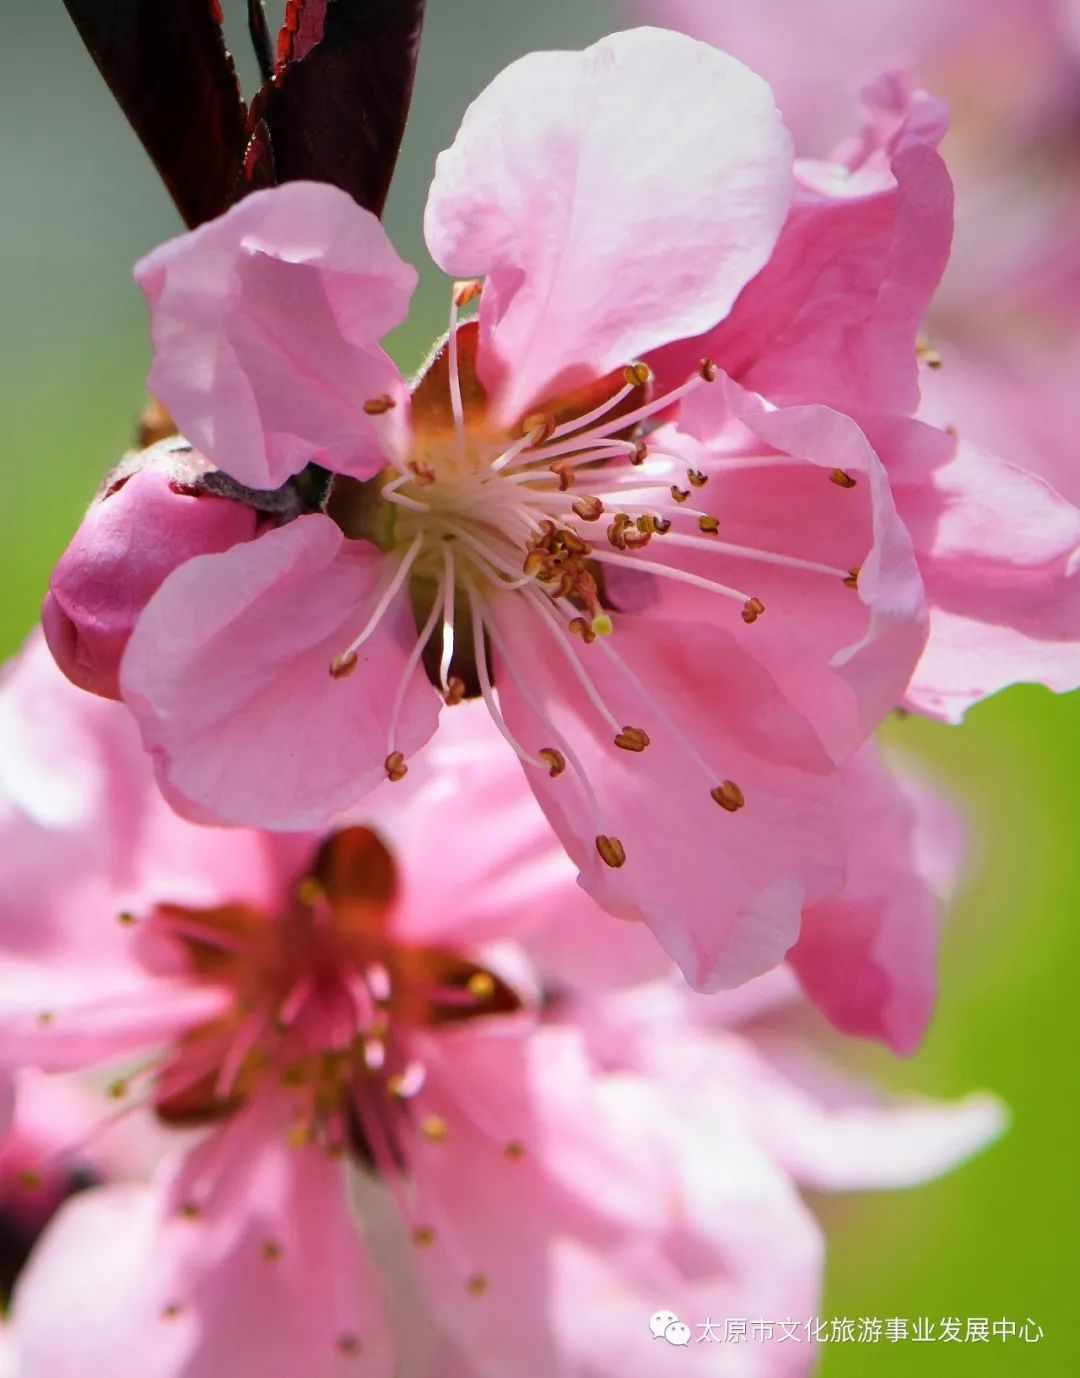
[
  {"x": 575, "y": 1226},
  {"x": 868, "y": 956},
  {"x": 613, "y": 199},
  {"x": 999, "y": 551},
  {"x": 228, "y": 672},
  {"x": 834, "y": 1134},
  {"x": 265, "y": 1273},
  {"x": 266, "y": 326},
  {"x": 722, "y": 891}
]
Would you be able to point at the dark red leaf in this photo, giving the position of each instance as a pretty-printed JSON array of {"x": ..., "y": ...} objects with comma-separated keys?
[
  {"x": 260, "y": 38},
  {"x": 166, "y": 63},
  {"x": 337, "y": 105}
]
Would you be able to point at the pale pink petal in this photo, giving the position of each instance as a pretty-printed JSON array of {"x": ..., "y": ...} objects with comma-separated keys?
[
  {"x": 613, "y": 199},
  {"x": 843, "y": 657},
  {"x": 263, "y": 1273},
  {"x": 228, "y": 672},
  {"x": 266, "y": 325},
  {"x": 868, "y": 956},
  {"x": 999, "y": 551},
  {"x": 723, "y": 891},
  {"x": 834, "y": 315}
]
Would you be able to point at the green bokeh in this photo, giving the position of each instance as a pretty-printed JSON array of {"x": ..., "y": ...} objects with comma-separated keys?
[{"x": 995, "y": 1238}]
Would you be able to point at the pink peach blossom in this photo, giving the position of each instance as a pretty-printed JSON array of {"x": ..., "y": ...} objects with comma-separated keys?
[
  {"x": 488, "y": 533},
  {"x": 414, "y": 1100}
]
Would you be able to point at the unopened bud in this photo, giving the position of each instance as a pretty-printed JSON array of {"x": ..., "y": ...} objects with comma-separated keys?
[{"x": 148, "y": 519}]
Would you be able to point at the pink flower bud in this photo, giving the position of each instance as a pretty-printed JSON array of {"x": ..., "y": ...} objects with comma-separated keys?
[{"x": 148, "y": 519}]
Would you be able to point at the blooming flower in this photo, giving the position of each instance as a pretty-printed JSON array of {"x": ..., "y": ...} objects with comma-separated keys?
[
  {"x": 357, "y": 1025},
  {"x": 693, "y": 613}
]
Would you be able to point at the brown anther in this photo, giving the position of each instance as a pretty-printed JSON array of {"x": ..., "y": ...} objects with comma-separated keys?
[
  {"x": 395, "y": 766},
  {"x": 539, "y": 427},
  {"x": 481, "y": 986},
  {"x": 349, "y": 1345},
  {"x": 433, "y": 1128},
  {"x": 662, "y": 526},
  {"x": 842, "y": 478},
  {"x": 852, "y": 580},
  {"x": 636, "y": 539},
  {"x": 378, "y": 406},
  {"x": 927, "y": 354},
  {"x": 616, "y": 531},
  {"x": 573, "y": 542},
  {"x": 952, "y": 431},
  {"x": 44, "y": 1019},
  {"x": 612, "y": 852},
  {"x": 467, "y": 291},
  {"x": 708, "y": 370},
  {"x": 29, "y": 1179},
  {"x": 752, "y": 610},
  {"x": 170, "y": 1312},
  {"x": 455, "y": 691},
  {"x": 554, "y": 760},
  {"x": 579, "y": 626},
  {"x": 271, "y": 1251},
  {"x": 632, "y": 739},
  {"x": 477, "y": 1285},
  {"x": 309, "y": 892},
  {"x": 423, "y": 473},
  {"x": 535, "y": 563},
  {"x": 564, "y": 473},
  {"x": 710, "y": 525},
  {"x": 679, "y": 494},
  {"x": 424, "y": 1236},
  {"x": 117, "y": 1090},
  {"x": 696, "y": 478},
  {"x": 638, "y": 375},
  {"x": 341, "y": 667},
  {"x": 190, "y": 1211},
  {"x": 640, "y": 452},
  {"x": 729, "y": 796},
  {"x": 126, "y": 918},
  {"x": 514, "y": 1150},
  {"x": 589, "y": 508},
  {"x": 646, "y": 523}
]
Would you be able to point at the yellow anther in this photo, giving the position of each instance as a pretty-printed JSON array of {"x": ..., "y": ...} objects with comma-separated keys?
[
  {"x": 126, "y": 918},
  {"x": 927, "y": 354},
  {"x": 842, "y": 478},
  {"x": 190, "y": 1211},
  {"x": 481, "y": 986},
  {"x": 309, "y": 892},
  {"x": 601, "y": 625},
  {"x": 729, "y": 796},
  {"x": 395, "y": 766},
  {"x": 117, "y": 1089},
  {"x": 424, "y": 1236},
  {"x": 752, "y": 610},
  {"x": 696, "y": 478},
  {"x": 170, "y": 1312},
  {"x": 514, "y": 1150},
  {"x": 271, "y": 1251},
  {"x": 44, "y": 1019},
  {"x": 477, "y": 1285},
  {"x": 341, "y": 667},
  {"x": 710, "y": 525},
  {"x": 679, "y": 494},
  {"x": 538, "y": 426},
  {"x": 611, "y": 851},
  {"x": 632, "y": 739},
  {"x": 433, "y": 1128},
  {"x": 638, "y": 375},
  {"x": 852, "y": 580},
  {"x": 377, "y": 406}
]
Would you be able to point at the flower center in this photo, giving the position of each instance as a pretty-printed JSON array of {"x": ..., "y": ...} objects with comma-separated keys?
[{"x": 325, "y": 1001}]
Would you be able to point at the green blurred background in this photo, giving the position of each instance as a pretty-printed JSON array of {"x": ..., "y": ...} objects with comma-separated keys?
[{"x": 998, "y": 1237}]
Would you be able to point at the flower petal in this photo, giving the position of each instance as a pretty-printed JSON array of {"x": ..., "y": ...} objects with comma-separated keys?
[
  {"x": 614, "y": 199},
  {"x": 999, "y": 551},
  {"x": 228, "y": 674},
  {"x": 722, "y": 890},
  {"x": 834, "y": 315},
  {"x": 266, "y": 326},
  {"x": 244, "y": 1259}
]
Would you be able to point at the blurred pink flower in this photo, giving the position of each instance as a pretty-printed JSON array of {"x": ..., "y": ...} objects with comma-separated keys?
[
  {"x": 277, "y": 682},
  {"x": 551, "y": 1155}
]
